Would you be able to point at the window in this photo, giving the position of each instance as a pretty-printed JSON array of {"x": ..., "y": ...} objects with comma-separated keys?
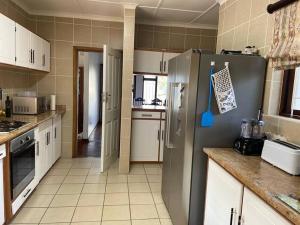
[
  {"x": 150, "y": 88},
  {"x": 290, "y": 100}
]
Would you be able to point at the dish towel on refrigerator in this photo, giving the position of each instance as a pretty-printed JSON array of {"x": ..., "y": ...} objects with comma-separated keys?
[{"x": 224, "y": 90}]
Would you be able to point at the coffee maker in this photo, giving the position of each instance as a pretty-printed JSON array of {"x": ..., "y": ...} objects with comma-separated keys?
[{"x": 252, "y": 137}]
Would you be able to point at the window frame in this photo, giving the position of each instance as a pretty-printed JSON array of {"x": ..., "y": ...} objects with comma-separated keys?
[{"x": 287, "y": 95}]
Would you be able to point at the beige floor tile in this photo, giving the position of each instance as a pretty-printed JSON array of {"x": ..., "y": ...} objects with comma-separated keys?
[
  {"x": 146, "y": 222},
  {"x": 143, "y": 212},
  {"x": 152, "y": 165},
  {"x": 58, "y": 215},
  {"x": 47, "y": 189},
  {"x": 154, "y": 178},
  {"x": 96, "y": 179},
  {"x": 141, "y": 198},
  {"x": 91, "y": 199},
  {"x": 87, "y": 213},
  {"x": 63, "y": 165},
  {"x": 116, "y": 222},
  {"x": 155, "y": 187},
  {"x": 29, "y": 215},
  {"x": 137, "y": 179},
  {"x": 116, "y": 199},
  {"x": 157, "y": 198},
  {"x": 86, "y": 223},
  {"x": 138, "y": 187},
  {"x": 116, "y": 213},
  {"x": 96, "y": 171},
  {"x": 82, "y": 165},
  {"x": 78, "y": 172},
  {"x": 53, "y": 180},
  {"x": 153, "y": 171},
  {"x": 111, "y": 179},
  {"x": 58, "y": 172},
  {"x": 66, "y": 189},
  {"x": 74, "y": 179},
  {"x": 117, "y": 188},
  {"x": 166, "y": 222},
  {"x": 162, "y": 211},
  {"x": 93, "y": 188},
  {"x": 137, "y": 171},
  {"x": 64, "y": 200},
  {"x": 37, "y": 201}
]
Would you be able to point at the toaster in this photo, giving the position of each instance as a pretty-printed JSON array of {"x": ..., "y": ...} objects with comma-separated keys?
[
  {"x": 29, "y": 105},
  {"x": 284, "y": 155}
]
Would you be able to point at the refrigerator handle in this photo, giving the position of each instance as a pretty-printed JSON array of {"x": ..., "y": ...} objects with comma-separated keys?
[{"x": 169, "y": 107}]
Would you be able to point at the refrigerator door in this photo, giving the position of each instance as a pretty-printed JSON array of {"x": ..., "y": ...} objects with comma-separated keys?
[{"x": 178, "y": 151}]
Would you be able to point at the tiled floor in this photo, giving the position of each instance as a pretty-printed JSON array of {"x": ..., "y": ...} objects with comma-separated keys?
[{"x": 75, "y": 193}]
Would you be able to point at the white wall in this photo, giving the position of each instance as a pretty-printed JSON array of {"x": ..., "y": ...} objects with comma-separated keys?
[{"x": 92, "y": 93}]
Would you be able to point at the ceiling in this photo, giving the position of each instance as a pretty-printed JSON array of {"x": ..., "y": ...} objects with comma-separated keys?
[{"x": 188, "y": 13}]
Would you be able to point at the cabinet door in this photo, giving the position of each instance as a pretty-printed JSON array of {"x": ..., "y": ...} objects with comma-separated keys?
[
  {"x": 36, "y": 45},
  {"x": 7, "y": 40},
  {"x": 256, "y": 211},
  {"x": 46, "y": 56},
  {"x": 23, "y": 53},
  {"x": 162, "y": 140},
  {"x": 57, "y": 137},
  {"x": 145, "y": 140},
  {"x": 50, "y": 147},
  {"x": 41, "y": 155},
  {"x": 166, "y": 57},
  {"x": 147, "y": 62},
  {"x": 2, "y": 155},
  {"x": 223, "y": 197}
]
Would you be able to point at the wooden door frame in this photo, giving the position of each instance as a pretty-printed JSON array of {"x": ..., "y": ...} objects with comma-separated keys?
[{"x": 76, "y": 50}]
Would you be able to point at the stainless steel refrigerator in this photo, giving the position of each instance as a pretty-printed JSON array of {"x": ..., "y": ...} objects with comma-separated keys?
[{"x": 185, "y": 163}]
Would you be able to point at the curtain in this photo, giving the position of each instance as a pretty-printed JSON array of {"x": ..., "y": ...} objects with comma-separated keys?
[{"x": 285, "y": 50}]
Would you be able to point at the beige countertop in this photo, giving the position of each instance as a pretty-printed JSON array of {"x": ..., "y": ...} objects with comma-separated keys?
[
  {"x": 33, "y": 121},
  {"x": 261, "y": 177},
  {"x": 152, "y": 108}
]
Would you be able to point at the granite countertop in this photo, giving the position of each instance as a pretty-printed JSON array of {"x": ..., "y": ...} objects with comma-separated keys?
[
  {"x": 261, "y": 177},
  {"x": 33, "y": 121},
  {"x": 152, "y": 108}
]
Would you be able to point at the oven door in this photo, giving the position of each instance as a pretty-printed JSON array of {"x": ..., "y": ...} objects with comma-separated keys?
[{"x": 22, "y": 168}]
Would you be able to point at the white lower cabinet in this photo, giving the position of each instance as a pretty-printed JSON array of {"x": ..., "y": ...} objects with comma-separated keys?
[
  {"x": 145, "y": 140},
  {"x": 223, "y": 197},
  {"x": 2, "y": 156},
  {"x": 228, "y": 201},
  {"x": 256, "y": 211},
  {"x": 48, "y": 145}
]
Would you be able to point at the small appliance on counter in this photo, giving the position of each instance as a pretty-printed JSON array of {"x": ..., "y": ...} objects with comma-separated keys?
[
  {"x": 251, "y": 140},
  {"x": 284, "y": 155},
  {"x": 30, "y": 105}
]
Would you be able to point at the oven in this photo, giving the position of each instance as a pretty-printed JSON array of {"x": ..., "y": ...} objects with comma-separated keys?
[{"x": 22, "y": 162}]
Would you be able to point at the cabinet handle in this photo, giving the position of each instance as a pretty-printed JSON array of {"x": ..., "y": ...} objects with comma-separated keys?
[
  {"x": 240, "y": 220},
  {"x": 160, "y": 66},
  {"x": 33, "y": 57},
  {"x": 158, "y": 134},
  {"x": 55, "y": 132},
  {"x": 46, "y": 138},
  {"x": 231, "y": 215},
  {"x": 37, "y": 148},
  {"x": 162, "y": 135},
  {"x": 146, "y": 115},
  {"x": 165, "y": 65}
]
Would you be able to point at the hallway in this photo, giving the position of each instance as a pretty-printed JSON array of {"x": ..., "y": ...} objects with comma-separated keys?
[{"x": 92, "y": 146}]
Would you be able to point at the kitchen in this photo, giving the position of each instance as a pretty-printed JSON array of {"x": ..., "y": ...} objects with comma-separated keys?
[{"x": 160, "y": 73}]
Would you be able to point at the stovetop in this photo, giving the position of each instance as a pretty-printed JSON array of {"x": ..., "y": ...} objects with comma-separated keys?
[{"x": 7, "y": 126}]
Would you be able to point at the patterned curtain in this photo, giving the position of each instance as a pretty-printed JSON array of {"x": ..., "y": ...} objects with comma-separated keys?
[{"x": 285, "y": 49}]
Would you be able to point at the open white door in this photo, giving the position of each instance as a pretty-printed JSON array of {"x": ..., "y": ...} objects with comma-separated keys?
[{"x": 111, "y": 106}]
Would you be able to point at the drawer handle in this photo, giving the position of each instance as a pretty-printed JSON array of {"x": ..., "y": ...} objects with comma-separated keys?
[
  {"x": 147, "y": 115},
  {"x": 27, "y": 193}
]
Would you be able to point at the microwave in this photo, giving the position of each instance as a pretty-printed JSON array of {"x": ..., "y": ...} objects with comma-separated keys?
[{"x": 30, "y": 105}]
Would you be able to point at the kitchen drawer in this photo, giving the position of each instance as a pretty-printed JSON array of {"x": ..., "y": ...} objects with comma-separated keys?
[{"x": 145, "y": 115}]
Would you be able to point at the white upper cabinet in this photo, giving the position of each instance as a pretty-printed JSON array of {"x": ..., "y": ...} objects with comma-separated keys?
[
  {"x": 23, "y": 51},
  {"x": 21, "y": 47},
  {"x": 147, "y": 62},
  {"x": 256, "y": 211},
  {"x": 166, "y": 57},
  {"x": 7, "y": 40},
  {"x": 46, "y": 56}
]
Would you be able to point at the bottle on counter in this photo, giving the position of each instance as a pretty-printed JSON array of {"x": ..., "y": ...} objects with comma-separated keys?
[{"x": 8, "y": 107}]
